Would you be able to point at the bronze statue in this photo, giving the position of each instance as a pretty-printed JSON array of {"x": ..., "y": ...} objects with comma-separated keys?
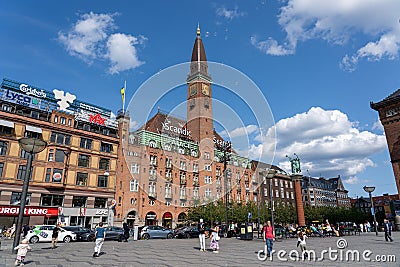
[{"x": 295, "y": 163}]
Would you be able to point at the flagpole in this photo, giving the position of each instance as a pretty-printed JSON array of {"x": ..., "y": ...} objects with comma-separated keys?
[{"x": 123, "y": 100}]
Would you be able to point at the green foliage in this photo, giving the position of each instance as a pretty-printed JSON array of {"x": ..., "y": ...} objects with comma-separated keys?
[{"x": 334, "y": 214}]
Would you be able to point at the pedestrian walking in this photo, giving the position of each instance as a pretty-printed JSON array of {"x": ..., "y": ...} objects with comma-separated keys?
[
  {"x": 301, "y": 241},
  {"x": 26, "y": 229},
  {"x": 126, "y": 231},
  {"x": 388, "y": 230},
  {"x": 54, "y": 236},
  {"x": 202, "y": 235},
  {"x": 269, "y": 237},
  {"x": 214, "y": 243},
  {"x": 22, "y": 251},
  {"x": 100, "y": 235}
]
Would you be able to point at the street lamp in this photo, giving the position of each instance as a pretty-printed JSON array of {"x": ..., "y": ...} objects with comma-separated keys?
[
  {"x": 31, "y": 146},
  {"x": 268, "y": 176},
  {"x": 369, "y": 190}
]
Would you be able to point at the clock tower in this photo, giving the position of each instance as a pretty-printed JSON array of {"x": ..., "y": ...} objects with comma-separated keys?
[
  {"x": 199, "y": 98},
  {"x": 389, "y": 115}
]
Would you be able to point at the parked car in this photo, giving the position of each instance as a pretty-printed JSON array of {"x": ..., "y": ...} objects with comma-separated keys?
[
  {"x": 154, "y": 231},
  {"x": 43, "y": 233},
  {"x": 114, "y": 233},
  {"x": 183, "y": 232},
  {"x": 82, "y": 233}
]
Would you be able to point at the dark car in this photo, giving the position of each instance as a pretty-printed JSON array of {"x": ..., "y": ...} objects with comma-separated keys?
[
  {"x": 82, "y": 233},
  {"x": 114, "y": 233},
  {"x": 184, "y": 232}
]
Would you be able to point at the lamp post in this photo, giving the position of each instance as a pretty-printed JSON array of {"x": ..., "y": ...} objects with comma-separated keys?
[
  {"x": 226, "y": 158},
  {"x": 369, "y": 190},
  {"x": 269, "y": 175},
  {"x": 31, "y": 146}
]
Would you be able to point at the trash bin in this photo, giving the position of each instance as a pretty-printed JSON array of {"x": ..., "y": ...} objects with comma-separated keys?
[{"x": 246, "y": 231}]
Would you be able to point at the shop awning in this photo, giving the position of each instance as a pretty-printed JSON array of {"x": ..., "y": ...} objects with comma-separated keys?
[
  {"x": 9, "y": 124},
  {"x": 33, "y": 129}
]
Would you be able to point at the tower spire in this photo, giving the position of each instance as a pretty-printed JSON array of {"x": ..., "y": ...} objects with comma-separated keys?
[{"x": 198, "y": 29}]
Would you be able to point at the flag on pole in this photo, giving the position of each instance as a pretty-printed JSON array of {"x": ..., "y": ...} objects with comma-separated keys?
[{"x": 123, "y": 97}]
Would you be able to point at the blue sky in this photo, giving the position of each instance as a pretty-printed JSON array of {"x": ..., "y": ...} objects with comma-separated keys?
[{"x": 318, "y": 63}]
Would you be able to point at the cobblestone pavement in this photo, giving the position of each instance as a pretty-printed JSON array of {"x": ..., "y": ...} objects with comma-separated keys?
[{"x": 185, "y": 252}]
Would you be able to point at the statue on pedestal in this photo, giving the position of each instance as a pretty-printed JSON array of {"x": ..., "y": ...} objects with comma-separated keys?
[{"x": 295, "y": 163}]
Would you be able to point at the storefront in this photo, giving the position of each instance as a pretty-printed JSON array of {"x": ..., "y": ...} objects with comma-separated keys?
[
  {"x": 151, "y": 218},
  {"x": 167, "y": 220},
  {"x": 86, "y": 217},
  {"x": 32, "y": 215}
]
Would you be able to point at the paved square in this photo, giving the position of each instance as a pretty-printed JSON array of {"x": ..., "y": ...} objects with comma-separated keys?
[{"x": 185, "y": 252}]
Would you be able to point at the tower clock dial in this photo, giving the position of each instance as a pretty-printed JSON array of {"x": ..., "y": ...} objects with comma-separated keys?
[
  {"x": 205, "y": 89},
  {"x": 193, "y": 89}
]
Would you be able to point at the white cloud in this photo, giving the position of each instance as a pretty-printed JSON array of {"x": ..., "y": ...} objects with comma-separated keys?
[
  {"x": 229, "y": 14},
  {"x": 241, "y": 131},
  {"x": 378, "y": 126},
  {"x": 352, "y": 180},
  {"x": 337, "y": 22},
  {"x": 327, "y": 142},
  {"x": 84, "y": 38},
  {"x": 92, "y": 38},
  {"x": 122, "y": 52}
]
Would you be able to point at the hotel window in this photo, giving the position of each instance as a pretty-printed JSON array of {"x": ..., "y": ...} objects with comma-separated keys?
[
  {"x": 79, "y": 201},
  {"x": 208, "y": 192},
  {"x": 56, "y": 119},
  {"x": 69, "y": 122},
  {"x": 59, "y": 138},
  {"x": 265, "y": 192},
  {"x": 63, "y": 120},
  {"x": 195, "y": 167},
  {"x": 207, "y": 167},
  {"x": 183, "y": 165},
  {"x": 60, "y": 155},
  {"x": 181, "y": 150},
  {"x": 168, "y": 190},
  {"x": 208, "y": 179},
  {"x": 83, "y": 160},
  {"x": 81, "y": 178},
  {"x": 135, "y": 168},
  {"x": 100, "y": 202},
  {"x": 153, "y": 160},
  {"x": 152, "y": 144},
  {"x": 102, "y": 181},
  {"x": 104, "y": 164},
  {"x": 22, "y": 172},
  {"x": 276, "y": 193},
  {"x": 6, "y": 108},
  {"x": 196, "y": 192},
  {"x": 1, "y": 169},
  {"x": 287, "y": 194},
  {"x": 51, "y": 155},
  {"x": 276, "y": 182},
  {"x": 86, "y": 143},
  {"x": 51, "y": 200},
  {"x": 16, "y": 198},
  {"x": 291, "y": 184},
  {"x": 106, "y": 147},
  {"x": 3, "y": 148},
  {"x": 25, "y": 154},
  {"x": 152, "y": 188},
  {"x": 48, "y": 175}
]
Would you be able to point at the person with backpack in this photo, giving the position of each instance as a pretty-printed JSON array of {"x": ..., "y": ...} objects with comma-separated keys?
[
  {"x": 269, "y": 237},
  {"x": 202, "y": 235}
]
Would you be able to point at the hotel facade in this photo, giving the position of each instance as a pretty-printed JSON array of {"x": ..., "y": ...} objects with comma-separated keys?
[{"x": 73, "y": 180}]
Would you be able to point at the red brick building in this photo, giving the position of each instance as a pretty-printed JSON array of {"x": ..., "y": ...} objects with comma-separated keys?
[{"x": 389, "y": 115}]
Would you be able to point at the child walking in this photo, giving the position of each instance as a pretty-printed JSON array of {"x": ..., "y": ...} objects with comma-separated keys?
[
  {"x": 22, "y": 251},
  {"x": 303, "y": 245}
]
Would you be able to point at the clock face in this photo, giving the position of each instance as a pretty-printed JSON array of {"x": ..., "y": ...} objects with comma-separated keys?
[
  {"x": 205, "y": 89},
  {"x": 193, "y": 89},
  {"x": 392, "y": 112}
]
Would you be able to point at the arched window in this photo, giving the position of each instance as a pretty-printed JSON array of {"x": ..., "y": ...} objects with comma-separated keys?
[{"x": 152, "y": 144}]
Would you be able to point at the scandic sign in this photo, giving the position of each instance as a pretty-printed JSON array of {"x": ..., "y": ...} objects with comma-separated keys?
[{"x": 29, "y": 211}]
